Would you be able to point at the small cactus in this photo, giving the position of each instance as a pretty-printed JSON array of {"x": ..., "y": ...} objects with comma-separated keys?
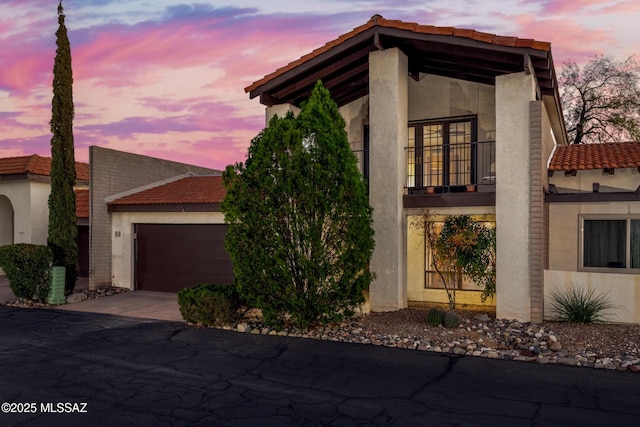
[
  {"x": 451, "y": 319},
  {"x": 435, "y": 317}
]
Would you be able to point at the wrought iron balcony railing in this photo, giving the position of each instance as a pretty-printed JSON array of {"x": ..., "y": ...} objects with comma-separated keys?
[{"x": 450, "y": 167}]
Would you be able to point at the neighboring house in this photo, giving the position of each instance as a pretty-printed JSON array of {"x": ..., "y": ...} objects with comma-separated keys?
[
  {"x": 594, "y": 226},
  {"x": 139, "y": 231},
  {"x": 448, "y": 120},
  {"x": 25, "y": 184}
]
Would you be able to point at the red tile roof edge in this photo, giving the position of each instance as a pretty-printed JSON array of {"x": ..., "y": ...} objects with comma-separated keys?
[
  {"x": 612, "y": 155},
  {"x": 378, "y": 20},
  {"x": 37, "y": 165},
  {"x": 199, "y": 189}
]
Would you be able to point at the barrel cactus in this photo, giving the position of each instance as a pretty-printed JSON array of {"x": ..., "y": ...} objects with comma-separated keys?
[
  {"x": 435, "y": 317},
  {"x": 451, "y": 319}
]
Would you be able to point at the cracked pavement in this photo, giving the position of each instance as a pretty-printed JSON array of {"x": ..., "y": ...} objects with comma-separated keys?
[{"x": 144, "y": 372}]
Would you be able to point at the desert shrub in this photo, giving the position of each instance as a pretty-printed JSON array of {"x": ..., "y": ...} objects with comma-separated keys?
[
  {"x": 451, "y": 319},
  {"x": 435, "y": 317},
  {"x": 27, "y": 266},
  {"x": 209, "y": 304},
  {"x": 579, "y": 305}
]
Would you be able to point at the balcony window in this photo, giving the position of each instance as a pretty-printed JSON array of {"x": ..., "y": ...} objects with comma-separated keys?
[{"x": 446, "y": 154}]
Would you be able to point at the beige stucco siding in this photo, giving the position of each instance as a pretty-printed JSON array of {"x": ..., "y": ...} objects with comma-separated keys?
[
  {"x": 388, "y": 104},
  {"x": 627, "y": 179},
  {"x": 621, "y": 290},
  {"x": 514, "y": 93},
  {"x": 435, "y": 97},
  {"x": 29, "y": 201},
  {"x": 564, "y": 229}
]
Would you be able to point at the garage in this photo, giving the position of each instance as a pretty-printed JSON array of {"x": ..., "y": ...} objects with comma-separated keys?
[{"x": 171, "y": 257}]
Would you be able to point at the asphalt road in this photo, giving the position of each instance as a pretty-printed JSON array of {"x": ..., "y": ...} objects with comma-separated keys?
[{"x": 71, "y": 368}]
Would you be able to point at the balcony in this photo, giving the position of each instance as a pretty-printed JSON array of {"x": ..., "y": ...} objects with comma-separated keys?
[{"x": 447, "y": 169}]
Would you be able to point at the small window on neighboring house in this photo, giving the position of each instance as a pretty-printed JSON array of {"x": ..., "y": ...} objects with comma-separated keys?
[{"x": 611, "y": 243}]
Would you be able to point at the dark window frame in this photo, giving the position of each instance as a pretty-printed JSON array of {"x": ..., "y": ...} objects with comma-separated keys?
[
  {"x": 631, "y": 262},
  {"x": 419, "y": 149}
]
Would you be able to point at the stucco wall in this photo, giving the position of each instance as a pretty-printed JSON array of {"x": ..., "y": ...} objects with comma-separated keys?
[
  {"x": 627, "y": 179},
  {"x": 114, "y": 172},
  {"x": 514, "y": 93},
  {"x": 29, "y": 200},
  {"x": 436, "y": 97},
  {"x": 621, "y": 290},
  {"x": 564, "y": 229},
  {"x": 122, "y": 226},
  {"x": 388, "y": 104}
]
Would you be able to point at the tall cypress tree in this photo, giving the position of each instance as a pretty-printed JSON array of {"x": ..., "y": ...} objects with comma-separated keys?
[{"x": 63, "y": 224}]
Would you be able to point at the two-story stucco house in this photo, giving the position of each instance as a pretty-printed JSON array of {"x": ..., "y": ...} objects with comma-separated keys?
[{"x": 450, "y": 120}]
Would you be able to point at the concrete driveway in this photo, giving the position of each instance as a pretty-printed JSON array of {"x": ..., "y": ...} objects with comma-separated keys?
[{"x": 138, "y": 304}]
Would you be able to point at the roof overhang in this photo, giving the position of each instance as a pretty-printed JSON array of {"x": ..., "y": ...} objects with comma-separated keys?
[{"x": 343, "y": 65}]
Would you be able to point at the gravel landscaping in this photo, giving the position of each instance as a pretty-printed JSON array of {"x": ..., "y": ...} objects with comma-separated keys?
[{"x": 599, "y": 345}]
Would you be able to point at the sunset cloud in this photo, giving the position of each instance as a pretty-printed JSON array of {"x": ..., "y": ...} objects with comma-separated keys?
[{"x": 166, "y": 78}]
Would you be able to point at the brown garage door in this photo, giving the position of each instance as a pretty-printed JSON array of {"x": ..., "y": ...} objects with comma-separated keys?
[{"x": 171, "y": 257}]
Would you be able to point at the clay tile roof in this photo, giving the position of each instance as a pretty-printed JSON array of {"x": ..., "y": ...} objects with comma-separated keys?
[
  {"x": 193, "y": 189},
  {"x": 82, "y": 203},
  {"x": 615, "y": 155},
  {"x": 379, "y": 21},
  {"x": 37, "y": 165}
]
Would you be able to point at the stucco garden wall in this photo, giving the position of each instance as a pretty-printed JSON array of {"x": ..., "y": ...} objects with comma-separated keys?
[{"x": 622, "y": 290}]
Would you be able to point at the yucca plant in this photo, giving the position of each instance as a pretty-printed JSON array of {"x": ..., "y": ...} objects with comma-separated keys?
[{"x": 580, "y": 305}]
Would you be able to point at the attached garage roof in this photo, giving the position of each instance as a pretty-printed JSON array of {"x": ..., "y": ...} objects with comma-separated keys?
[
  {"x": 613, "y": 155},
  {"x": 37, "y": 165},
  {"x": 192, "y": 190},
  {"x": 342, "y": 64}
]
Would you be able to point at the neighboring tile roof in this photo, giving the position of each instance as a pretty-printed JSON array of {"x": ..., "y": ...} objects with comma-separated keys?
[
  {"x": 613, "y": 155},
  {"x": 82, "y": 203},
  {"x": 378, "y": 20},
  {"x": 194, "y": 189},
  {"x": 37, "y": 165}
]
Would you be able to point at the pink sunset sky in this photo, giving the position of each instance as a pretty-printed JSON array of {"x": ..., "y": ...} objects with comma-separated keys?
[{"x": 166, "y": 78}]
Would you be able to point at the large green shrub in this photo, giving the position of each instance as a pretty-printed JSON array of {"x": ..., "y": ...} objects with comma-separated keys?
[
  {"x": 209, "y": 304},
  {"x": 300, "y": 224},
  {"x": 27, "y": 267}
]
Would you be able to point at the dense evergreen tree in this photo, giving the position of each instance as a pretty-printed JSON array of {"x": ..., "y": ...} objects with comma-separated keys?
[
  {"x": 63, "y": 224},
  {"x": 300, "y": 225}
]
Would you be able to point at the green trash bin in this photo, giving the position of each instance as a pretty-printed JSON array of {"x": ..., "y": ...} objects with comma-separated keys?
[{"x": 56, "y": 285}]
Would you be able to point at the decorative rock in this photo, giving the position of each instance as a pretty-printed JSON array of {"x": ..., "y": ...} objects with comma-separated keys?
[
  {"x": 76, "y": 297},
  {"x": 244, "y": 327},
  {"x": 482, "y": 317},
  {"x": 555, "y": 346}
]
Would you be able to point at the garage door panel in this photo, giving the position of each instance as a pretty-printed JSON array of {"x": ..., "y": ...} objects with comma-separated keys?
[{"x": 171, "y": 257}]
